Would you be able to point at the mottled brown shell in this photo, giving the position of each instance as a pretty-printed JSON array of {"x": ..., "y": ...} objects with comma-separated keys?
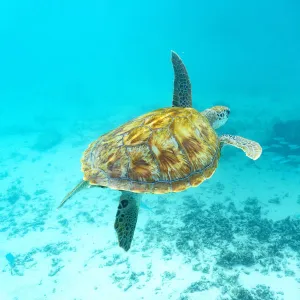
[{"x": 167, "y": 150}]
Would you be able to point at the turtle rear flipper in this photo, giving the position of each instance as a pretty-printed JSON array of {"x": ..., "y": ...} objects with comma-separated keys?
[
  {"x": 81, "y": 185},
  {"x": 252, "y": 149},
  {"x": 126, "y": 218}
]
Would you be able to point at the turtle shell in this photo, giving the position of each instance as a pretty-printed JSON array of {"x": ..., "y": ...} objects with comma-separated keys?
[{"x": 167, "y": 150}]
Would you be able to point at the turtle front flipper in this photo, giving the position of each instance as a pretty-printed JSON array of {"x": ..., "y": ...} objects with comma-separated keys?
[
  {"x": 126, "y": 218},
  {"x": 182, "y": 94},
  {"x": 252, "y": 149},
  {"x": 81, "y": 185}
]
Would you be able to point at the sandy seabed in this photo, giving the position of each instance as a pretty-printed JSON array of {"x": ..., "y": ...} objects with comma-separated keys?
[{"x": 237, "y": 236}]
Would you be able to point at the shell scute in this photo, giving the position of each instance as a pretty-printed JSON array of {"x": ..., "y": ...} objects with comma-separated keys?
[
  {"x": 197, "y": 179},
  {"x": 114, "y": 161},
  {"x": 141, "y": 187},
  {"x": 142, "y": 167},
  {"x": 162, "y": 188},
  {"x": 137, "y": 136},
  {"x": 120, "y": 184},
  {"x": 158, "y": 121},
  {"x": 204, "y": 130},
  {"x": 172, "y": 162},
  {"x": 180, "y": 185}
]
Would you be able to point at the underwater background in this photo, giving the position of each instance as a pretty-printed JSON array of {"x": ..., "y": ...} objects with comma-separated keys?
[{"x": 72, "y": 71}]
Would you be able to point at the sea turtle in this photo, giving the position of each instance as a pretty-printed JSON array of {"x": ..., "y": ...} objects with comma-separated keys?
[{"x": 163, "y": 151}]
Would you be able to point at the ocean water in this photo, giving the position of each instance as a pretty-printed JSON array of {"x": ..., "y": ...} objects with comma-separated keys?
[{"x": 74, "y": 70}]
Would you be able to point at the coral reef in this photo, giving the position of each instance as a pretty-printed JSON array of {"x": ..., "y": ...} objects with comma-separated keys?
[{"x": 240, "y": 239}]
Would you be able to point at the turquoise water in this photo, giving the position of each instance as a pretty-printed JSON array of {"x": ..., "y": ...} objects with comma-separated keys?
[{"x": 72, "y": 71}]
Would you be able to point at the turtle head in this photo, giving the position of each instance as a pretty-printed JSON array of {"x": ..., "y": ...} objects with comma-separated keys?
[{"x": 217, "y": 115}]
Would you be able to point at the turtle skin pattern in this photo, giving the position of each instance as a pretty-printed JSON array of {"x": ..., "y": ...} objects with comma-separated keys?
[
  {"x": 166, "y": 150},
  {"x": 182, "y": 95}
]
